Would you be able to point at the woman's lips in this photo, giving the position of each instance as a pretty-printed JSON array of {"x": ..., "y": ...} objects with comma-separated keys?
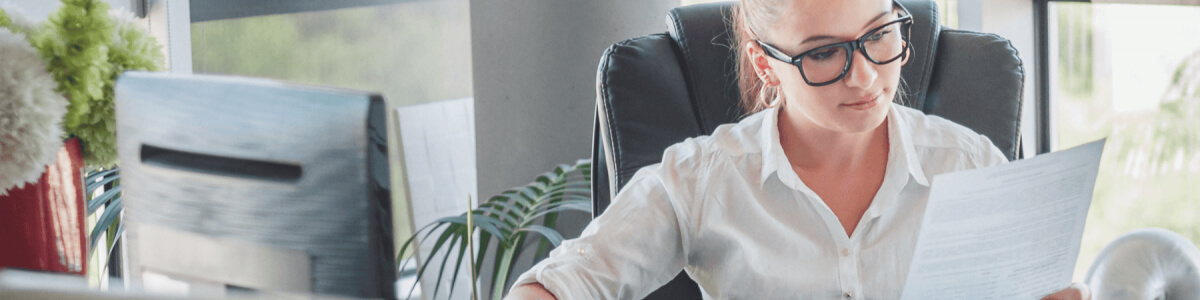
[{"x": 862, "y": 105}]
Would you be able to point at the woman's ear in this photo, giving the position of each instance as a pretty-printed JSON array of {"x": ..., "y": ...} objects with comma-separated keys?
[
  {"x": 907, "y": 56},
  {"x": 760, "y": 63}
]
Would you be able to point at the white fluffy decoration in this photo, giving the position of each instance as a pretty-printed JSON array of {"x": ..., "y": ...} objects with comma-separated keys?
[
  {"x": 122, "y": 17},
  {"x": 30, "y": 113}
]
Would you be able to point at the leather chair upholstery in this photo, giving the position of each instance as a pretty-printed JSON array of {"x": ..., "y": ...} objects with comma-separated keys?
[{"x": 657, "y": 90}]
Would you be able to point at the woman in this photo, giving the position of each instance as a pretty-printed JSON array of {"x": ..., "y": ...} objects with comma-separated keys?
[{"x": 816, "y": 195}]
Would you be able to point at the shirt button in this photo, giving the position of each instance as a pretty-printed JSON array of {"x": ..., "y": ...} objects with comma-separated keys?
[
  {"x": 581, "y": 251},
  {"x": 846, "y": 252},
  {"x": 848, "y": 295}
]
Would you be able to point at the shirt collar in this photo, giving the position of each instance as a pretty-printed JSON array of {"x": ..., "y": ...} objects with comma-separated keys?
[
  {"x": 773, "y": 158},
  {"x": 899, "y": 136}
]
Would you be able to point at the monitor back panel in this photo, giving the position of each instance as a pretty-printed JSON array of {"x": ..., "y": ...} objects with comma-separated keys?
[{"x": 258, "y": 161}]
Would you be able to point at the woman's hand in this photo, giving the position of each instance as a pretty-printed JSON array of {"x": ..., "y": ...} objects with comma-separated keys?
[
  {"x": 1076, "y": 291},
  {"x": 535, "y": 291}
]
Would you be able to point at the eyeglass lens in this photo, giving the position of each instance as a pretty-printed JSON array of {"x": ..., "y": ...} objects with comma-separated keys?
[{"x": 827, "y": 63}]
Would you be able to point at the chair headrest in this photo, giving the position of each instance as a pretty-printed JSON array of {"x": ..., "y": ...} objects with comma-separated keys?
[
  {"x": 704, "y": 39},
  {"x": 704, "y": 45}
]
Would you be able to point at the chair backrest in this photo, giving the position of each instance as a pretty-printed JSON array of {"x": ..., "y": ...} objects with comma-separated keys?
[{"x": 657, "y": 90}]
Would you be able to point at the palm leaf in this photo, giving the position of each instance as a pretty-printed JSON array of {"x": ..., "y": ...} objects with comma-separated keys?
[
  {"x": 429, "y": 230},
  {"x": 110, "y": 215},
  {"x": 565, "y": 198},
  {"x": 462, "y": 251},
  {"x": 109, "y": 223},
  {"x": 500, "y": 276},
  {"x": 484, "y": 240},
  {"x": 438, "y": 245},
  {"x": 543, "y": 248},
  {"x": 404, "y": 248},
  {"x": 97, "y": 175},
  {"x": 507, "y": 220},
  {"x": 103, "y": 199},
  {"x": 92, "y": 186},
  {"x": 565, "y": 206},
  {"x": 486, "y": 223},
  {"x": 516, "y": 197},
  {"x": 548, "y": 233},
  {"x": 112, "y": 244},
  {"x": 454, "y": 238},
  {"x": 497, "y": 212}
]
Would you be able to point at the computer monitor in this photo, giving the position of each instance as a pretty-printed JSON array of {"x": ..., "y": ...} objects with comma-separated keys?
[{"x": 237, "y": 184}]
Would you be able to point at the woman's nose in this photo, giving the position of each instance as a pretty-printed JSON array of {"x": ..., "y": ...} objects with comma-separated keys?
[{"x": 862, "y": 72}]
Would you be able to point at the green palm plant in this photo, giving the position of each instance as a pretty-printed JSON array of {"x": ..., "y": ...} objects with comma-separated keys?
[
  {"x": 108, "y": 223},
  {"x": 507, "y": 220}
]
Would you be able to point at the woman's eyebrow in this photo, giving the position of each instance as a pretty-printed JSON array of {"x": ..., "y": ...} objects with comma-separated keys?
[
  {"x": 826, "y": 37},
  {"x": 876, "y": 18}
]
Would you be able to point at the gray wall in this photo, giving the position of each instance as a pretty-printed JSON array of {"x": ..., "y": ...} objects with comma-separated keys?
[
  {"x": 535, "y": 68},
  {"x": 535, "y": 72}
]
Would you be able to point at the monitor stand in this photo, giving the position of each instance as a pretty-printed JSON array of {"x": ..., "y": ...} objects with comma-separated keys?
[{"x": 188, "y": 264}]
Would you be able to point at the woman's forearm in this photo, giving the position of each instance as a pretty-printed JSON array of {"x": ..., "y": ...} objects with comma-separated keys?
[{"x": 530, "y": 291}]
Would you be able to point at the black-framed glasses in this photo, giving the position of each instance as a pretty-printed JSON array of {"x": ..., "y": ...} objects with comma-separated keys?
[{"x": 828, "y": 64}]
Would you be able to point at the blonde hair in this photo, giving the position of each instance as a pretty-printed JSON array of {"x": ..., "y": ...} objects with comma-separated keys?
[{"x": 750, "y": 18}]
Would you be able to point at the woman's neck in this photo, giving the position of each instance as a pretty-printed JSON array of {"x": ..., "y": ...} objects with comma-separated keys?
[{"x": 812, "y": 147}]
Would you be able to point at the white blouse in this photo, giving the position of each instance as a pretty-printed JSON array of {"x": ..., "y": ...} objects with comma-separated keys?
[{"x": 729, "y": 210}]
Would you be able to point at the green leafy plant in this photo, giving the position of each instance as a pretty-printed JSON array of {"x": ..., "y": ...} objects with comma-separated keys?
[
  {"x": 74, "y": 44},
  {"x": 507, "y": 220},
  {"x": 86, "y": 49}
]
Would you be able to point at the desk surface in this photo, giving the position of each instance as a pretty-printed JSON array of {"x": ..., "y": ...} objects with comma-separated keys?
[{"x": 24, "y": 284}]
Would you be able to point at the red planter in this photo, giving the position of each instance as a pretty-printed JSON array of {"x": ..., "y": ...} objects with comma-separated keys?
[{"x": 41, "y": 224}]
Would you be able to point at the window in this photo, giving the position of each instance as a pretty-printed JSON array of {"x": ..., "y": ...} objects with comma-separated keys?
[
  {"x": 1129, "y": 72},
  {"x": 948, "y": 13},
  {"x": 412, "y": 52}
]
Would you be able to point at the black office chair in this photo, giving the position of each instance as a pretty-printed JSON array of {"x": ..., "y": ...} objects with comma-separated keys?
[{"x": 657, "y": 90}]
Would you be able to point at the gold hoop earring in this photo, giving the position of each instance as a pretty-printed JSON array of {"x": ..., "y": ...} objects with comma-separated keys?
[
  {"x": 776, "y": 102},
  {"x": 762, "y": 96}
]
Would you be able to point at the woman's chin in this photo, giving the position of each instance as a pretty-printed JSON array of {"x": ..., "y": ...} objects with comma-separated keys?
[{"x": 862, "y": 120}]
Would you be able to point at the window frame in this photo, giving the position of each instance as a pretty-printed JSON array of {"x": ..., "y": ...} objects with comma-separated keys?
[
  {"x": 212, "y": 10},
  {"x": 170, "y": 20},
  {"x": 1041, "y": 16}
]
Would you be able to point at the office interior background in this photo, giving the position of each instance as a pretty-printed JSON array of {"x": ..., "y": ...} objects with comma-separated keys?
[{"x": 517, "y": 80}]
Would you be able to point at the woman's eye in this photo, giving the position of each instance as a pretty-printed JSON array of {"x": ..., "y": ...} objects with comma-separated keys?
[
  {"x": 878, "y": 35},
  {"x": 823, "y": 54}
]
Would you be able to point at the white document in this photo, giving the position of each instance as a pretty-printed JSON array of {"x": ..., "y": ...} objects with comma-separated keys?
[{"x": 1010, "y": 231}]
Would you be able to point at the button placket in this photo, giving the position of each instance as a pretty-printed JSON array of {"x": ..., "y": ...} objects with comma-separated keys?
[{"x": 849, "y": 271}]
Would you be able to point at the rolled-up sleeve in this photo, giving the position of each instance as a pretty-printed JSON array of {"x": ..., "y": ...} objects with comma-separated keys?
[{"x": 634, "y": 247}]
